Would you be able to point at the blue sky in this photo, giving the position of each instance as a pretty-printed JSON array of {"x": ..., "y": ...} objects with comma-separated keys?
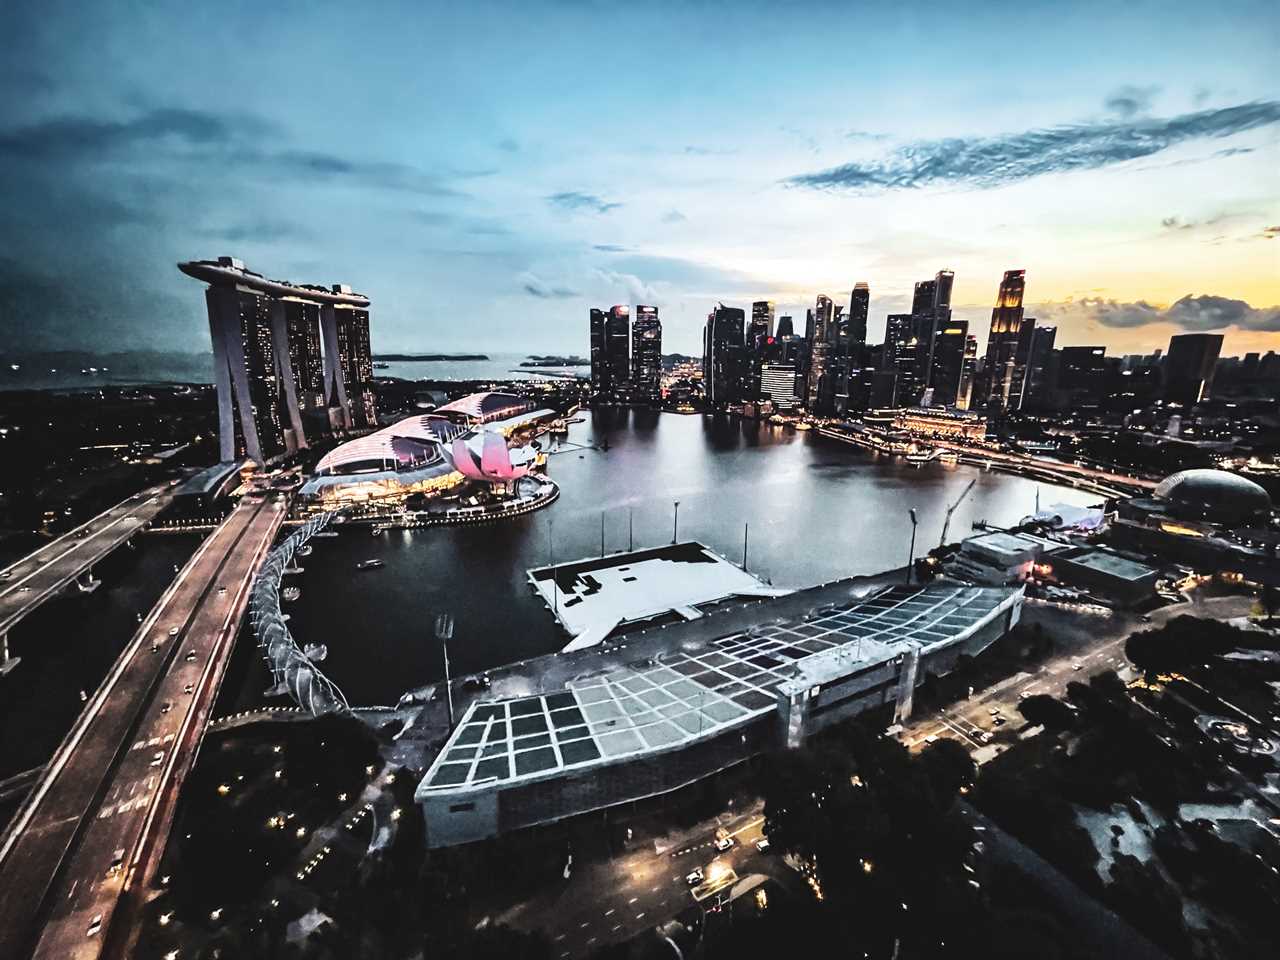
[{"x": 487, "y": 172}]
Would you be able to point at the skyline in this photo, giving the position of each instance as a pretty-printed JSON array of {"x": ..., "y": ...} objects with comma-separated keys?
[{"x": 460, "y": 173}]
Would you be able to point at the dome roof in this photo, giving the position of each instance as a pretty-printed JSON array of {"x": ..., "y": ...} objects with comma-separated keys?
[{"x": 1214, "y": 495}]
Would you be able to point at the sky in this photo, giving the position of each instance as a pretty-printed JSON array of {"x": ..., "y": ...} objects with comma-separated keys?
[{"x": 487, "y": 172}]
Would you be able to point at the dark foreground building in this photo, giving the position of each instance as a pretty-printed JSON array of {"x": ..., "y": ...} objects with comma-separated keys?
[{"x": 657, "y": 725}]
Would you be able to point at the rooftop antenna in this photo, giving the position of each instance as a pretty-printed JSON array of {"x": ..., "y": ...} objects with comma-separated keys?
[{"x": 911, "y": 553}]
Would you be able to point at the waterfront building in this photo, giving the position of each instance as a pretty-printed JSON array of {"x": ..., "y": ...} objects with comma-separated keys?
[
  {"x": 818, "y": 387},
  {"x": 266, "y": 350},
  {"x": 1189, "y": 367},
  {"x": 646, "y": 355},
  {"x": 670, "y": 717},
  {"x": 725, "y": 370},
  {"x": 599, "y": 368},
  {"x": 936, "y": 423},
  {"x": 617, "y": 329},
  {"x": 778, "y": 383},
  {"x": 968, "y": 373},
  {"x": 1003, "y": 387},
  {"x": 900, "y": 356},
  {"x": 930, "y": 312},
  {"x": 1000, "y": 558}
]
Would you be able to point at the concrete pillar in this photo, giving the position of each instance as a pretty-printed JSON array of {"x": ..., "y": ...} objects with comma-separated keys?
[
  {"x": 7, "y": 662},
  {"x": 334, "y": 384},
  {"x": 295, "y": 436}
]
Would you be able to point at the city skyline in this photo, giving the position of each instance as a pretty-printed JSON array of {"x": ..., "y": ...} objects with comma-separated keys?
[{"x": 1134, "y": 184}]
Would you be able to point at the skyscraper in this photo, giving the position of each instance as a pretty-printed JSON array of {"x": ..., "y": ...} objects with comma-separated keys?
[
  {"x": 1002, "y": 343},
  {"x": 785, "y": 329},
  {"x": 759, "y": 340},
  {"x": 599, "y": 368},
  {"x": 761, "y": 321},
  {"x": 617, "y": 335},
  {"x": 724, "y": 367},
  {"x": 931, "y": 312},
  {"x": 348, "y": 362},
  {"x": 1035, "y": 391},
  {"x": 964, "y": 393},
  {"x": 948, "y": 362},
  {"x": 819, "y": 388},
  {"x": 1082, "y": 376},
  {"x": 1189, "y": 366},
  {"x": 646, "y": 355},
  {"x": 859, "y": 308},
  {"x": 900, "y": 356},
  {"x": 778, "y": 383},
  {"x": 268, "y": 361},
  {"x": 848, "y": 347}
]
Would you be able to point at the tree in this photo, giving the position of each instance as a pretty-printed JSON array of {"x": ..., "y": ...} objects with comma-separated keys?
[{"x": 1048, "y": 712}]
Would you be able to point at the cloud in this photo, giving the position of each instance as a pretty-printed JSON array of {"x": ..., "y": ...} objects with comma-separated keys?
[
  {"x": 536, "y": 288},
  {"x": 258, "y": 231},
  {"x": 637, "y": 290},
  {"x": 609, "y": 248},
  {"x": 674, "y": 216},
  {"x": 573, "y": 200},
  {"x": 1191, "y": 313},
  {"x": 75, "y": 137},
  {"x": 1269, "y": 233},
  {"x": 508, "y": 145},
  {"x": 985, "y": 162},
  {"x": 1130, "y": 101}
]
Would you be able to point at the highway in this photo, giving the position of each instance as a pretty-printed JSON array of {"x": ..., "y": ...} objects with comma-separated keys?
[
  {"x": 42, "y": 574},
  {"x": 82, "y": 848}
]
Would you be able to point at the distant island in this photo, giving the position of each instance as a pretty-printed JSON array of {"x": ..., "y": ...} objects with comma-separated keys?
[
  {"x": 552, "y": 361},
  {"x": 429, "y": 356}
]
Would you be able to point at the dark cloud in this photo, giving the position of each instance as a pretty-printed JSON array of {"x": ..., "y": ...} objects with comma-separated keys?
[
  {"x": 985, "y": 162},
  {"x": 1192, "y": 313},
  {"x": 536, "y": 288},
  {"x": 609, "y": 248},
  {"x": 83, "y": 137},
  {"x": 1130, "y": 101},
  {"x": 573, "y": 200},
  {"x": 258, "y": 231}
]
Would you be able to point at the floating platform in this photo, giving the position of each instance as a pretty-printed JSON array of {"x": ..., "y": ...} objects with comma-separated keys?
[{"x": 591, "y": 598}]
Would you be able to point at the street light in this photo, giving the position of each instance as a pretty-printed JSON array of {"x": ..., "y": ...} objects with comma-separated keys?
[
  {"x": 675, "y": 523},
  {"x": 911, "y": 554}
]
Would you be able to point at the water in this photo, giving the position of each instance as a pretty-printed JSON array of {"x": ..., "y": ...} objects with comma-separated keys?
[
  {"x": 499, "y": 366},
  {"x": 817, "y": 509}
]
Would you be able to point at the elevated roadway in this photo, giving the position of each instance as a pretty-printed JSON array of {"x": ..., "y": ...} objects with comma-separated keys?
[
  {"x": 46, "y": 572},
  {"x": 83, "y": 846}
]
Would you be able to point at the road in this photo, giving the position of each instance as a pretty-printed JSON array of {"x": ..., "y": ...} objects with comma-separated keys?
[
  {"x": 42, "y": 574},
  {"x": 1097, "y": 644},
  {"x": 111, "y": 787},
  {"x": 614, "y": 900}
]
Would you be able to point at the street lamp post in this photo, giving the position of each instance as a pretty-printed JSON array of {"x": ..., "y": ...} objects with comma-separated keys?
[
  {"x": 444, "y": 630},
  {"x": 675, "y": 522},
  {"x": 911, "y": 553}
]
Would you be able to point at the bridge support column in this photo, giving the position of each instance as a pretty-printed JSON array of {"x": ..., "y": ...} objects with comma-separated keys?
[{"x": 7, "y": 661}]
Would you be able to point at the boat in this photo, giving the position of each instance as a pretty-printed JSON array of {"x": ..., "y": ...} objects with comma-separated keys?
[
  {"x": 315, "y": 652},
  {"x": 368, "y": 564},
  {"x": 326, "y": 533}
]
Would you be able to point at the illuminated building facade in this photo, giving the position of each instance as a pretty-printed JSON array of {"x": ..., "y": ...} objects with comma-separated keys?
[
  {"x": 646, "y": 355},
  {"x": 725, "y": 366},
  {"x": 1003, "y": 389},
  {"x": 818, "y": 390}
]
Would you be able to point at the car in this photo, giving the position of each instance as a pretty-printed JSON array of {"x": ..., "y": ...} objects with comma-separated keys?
[
  {"x": 1145, "y": 618},
  {"x": 984, "y": 736},
  {"x": 1077, "y": 665},
  {"x": 117, "y": 861},
  {"x": 157, "y": 758},
  {"x": 762, "y": 845},
  {"x": 998, "y": 721},
  {"x": 931, "y": 738},
  {"x": 695, "y": 877},
  {"x": 190, "y": 657},
  {"x": 166, "y": 706},
  {"x": 222, "y": 591},
  {"x": 724, "y": 843},
  {"x": 6, "y": 575},
  {"x": 155, "y": 646},
  {"x": 174, "y": 631},
  {"x": 94, "y": 925}
]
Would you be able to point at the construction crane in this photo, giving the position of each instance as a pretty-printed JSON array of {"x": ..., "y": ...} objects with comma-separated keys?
[{"x": 952, "y": 509}]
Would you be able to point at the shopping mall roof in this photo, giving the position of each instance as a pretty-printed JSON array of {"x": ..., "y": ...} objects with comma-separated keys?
[
  {"x": 692, "y": 694},
  {"x": 487, "y": 406},
  {"x": 397, "y": 446}
]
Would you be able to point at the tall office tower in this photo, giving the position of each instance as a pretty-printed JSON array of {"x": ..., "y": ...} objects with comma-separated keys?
[
  {"x": 778, "y": 383},
  {"x": 900, "y": 357},
  {"x": 964, "y": 393},
  {"x": 301, "y": 329},
  {"x": 599, "y": 368},
  {"x": 847, "y": 351},
  {"x": 1036, "y": 383},
  {"x": 1002, "y": 343},
  {"x": 785, "y": 328},
  {"x": 617, "y": 337},
  {"x": 859, "y": 308},
  {"x": 818, "y": 389},
  {"x": 761, "y": 321},
  {"x": 1188, "y": 368},
  {"x": 348, "y": 363},
  {"x": 724, "y": 367},
  {"x": 948, "y": 362},
  {"x": 265, "y": 353},
  {"x": 1081, "y": 377},
  {"x": 931, "y": 310},
  {"x": 646, "y": 355}
]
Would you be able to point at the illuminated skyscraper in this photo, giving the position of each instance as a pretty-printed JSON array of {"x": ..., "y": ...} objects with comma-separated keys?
[
  {"x": 599, "y": 369},
  {"x": 948, "y": 362},
  {"x": 900, "y": 356},
  {"x": 617, "y": 335},
  {"x": 850, "y": 345},
  {"x": 268, "y": 365},
  {"x": 785, "y": 328},
  {"x": 931, "y": 312},
  {"x": 778, "y": 383},
  {"x": 819, "y": 352},
  {"x": 1002, "y": 344},
  {"x": 964, "y": 394},
  {"x": 761, "y": 321},
  {"x": 646, "y": 355},
  {"x": 348, "y": 363},
  {"x": 725, "y": 370}
]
